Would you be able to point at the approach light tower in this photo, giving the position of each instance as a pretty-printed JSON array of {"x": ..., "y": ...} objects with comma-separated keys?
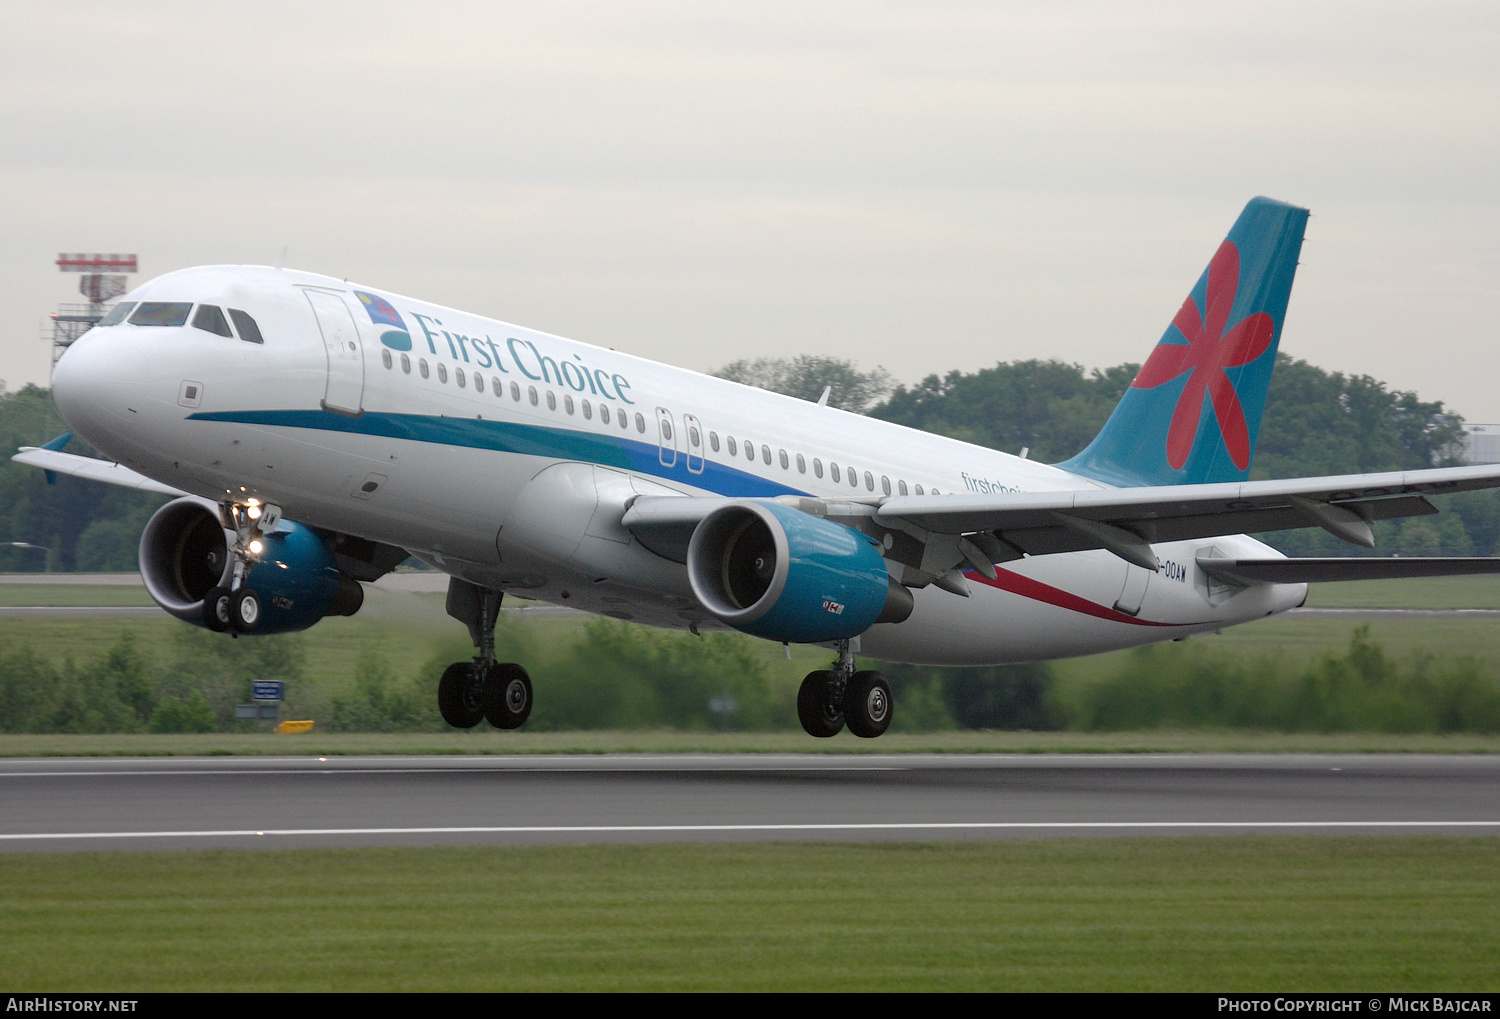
[{"x": 102, "y": 282}]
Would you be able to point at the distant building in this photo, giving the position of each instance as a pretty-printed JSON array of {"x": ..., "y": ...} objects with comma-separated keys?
[{"x": 1482, "y": 444}]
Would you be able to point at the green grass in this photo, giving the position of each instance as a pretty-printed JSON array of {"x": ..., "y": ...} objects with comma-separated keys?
[
  {"x": 1474, "y": 592},
  {"x": 73, "y": 594},
  {"x": 1207, "y": 914}
]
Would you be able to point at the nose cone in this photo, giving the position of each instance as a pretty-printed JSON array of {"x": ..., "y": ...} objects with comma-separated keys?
[{"x": 96, "y": 383}]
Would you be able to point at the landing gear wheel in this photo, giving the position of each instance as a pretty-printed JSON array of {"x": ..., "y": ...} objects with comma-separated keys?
[
  {"x": 461, "y": 695},
  {"x": 216, "y": 609},
  {"x": 507, "y": 695},
  {"x": 867, "y": 704},
  {"x": 244, "y": 610},
  {"x": 815, "y": 709}
]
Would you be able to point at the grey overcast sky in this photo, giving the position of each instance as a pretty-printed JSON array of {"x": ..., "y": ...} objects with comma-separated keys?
[{"x": 921, "y": 186}]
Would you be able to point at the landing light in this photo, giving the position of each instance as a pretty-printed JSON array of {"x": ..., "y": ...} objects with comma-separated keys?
[
  {"x": 255, "y": 547},
  {"x": 253, "y": 512}
]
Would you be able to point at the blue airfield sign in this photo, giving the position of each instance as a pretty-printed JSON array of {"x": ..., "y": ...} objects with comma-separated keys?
[{"x": 267, "y": 690}]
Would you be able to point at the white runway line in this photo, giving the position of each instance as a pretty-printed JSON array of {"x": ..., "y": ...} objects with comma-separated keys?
[{"x": 647, "y": 829}]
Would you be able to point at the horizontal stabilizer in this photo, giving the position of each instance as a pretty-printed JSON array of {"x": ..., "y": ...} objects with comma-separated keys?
[
  {"x": 90, "y": 469},
  {"x": 1313, "y": 571}
]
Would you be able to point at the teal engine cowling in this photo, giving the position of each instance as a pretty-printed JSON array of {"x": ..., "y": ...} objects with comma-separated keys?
[
  {"x": 184, "y": 555},
  {"x": 779, "y": 573}
]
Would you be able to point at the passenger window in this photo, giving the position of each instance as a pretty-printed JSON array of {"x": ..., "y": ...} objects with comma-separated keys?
[
  {"x": 478, "y": 383},
  {"x": 694, "y": 438},
  {"x": 568, "y": 402},
  {"x": 833, "y": 471},
  {"x": 442, "y": 372},
  {"x": 730, "y": 444},
  {"x": 785, "y": 463},
  {"x": 496, "y": 386},
  {"x": 531, "y": 395},
  {"x": 211, "y": 320},
  {"x": 458, "y": 376},
  {"x": 248, "y": 330},
  {"x": 919, "y": 490},
  {"x": 604, "y": 414},
  {"x": 854, "y": 478},
  {"x": 936, "y": 492},
  {"x": 117, "y": 314},
  {"x": 385, "y": 358},
  {"x": 817, "y": 467},
  {"x": 161, "y": 313},
  {"x": 749, "y": 450},
  {"x": 624, "y": 416},
  {"x": 870, "y": 481},
  {"x": 640, "y": 423},
  {"x": 666, "y": 430},
  {"x": 885, "y": 484},
  {"x": 551, "y": 400},
  {"x": 406, "y": 364},
  {"x": 801, "y": 464},
  {"x": 588, "y": 411},
  {"x": 901, "y": 487},
  {"x": 422, "y": 367},
  {"x": 713, "y": 441},
  {"x": 515, "y": 392}
]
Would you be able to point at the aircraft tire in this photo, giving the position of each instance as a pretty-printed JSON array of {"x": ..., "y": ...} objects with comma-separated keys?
[
  {"x": 244, "y": 610},
  {"x": 461, "y": 696},
  {"x": 507, "y": 695},
  {"x": 819, "y": 717},
  {"x": 216, "y": 609},
  {"x": 867, "y": 704}
]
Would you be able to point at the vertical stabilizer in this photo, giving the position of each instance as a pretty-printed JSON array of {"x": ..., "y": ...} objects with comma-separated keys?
[{"x": 1193, "y": 413}]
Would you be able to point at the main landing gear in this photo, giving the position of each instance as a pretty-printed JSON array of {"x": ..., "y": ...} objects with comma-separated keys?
[
  {"x": 830, "y": 699},
  {"x": 471, "y": 692},
  {"x": 235, "y": 606}
]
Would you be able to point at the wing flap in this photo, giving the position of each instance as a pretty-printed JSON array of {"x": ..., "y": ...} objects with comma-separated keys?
[{"x": 1249, "y": 572}]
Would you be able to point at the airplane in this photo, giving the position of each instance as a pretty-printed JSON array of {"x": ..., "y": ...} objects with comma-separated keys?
[{"x": 316, "y": 433}]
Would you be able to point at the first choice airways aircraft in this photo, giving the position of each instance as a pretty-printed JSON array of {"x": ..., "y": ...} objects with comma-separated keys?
[{"x": 316, "y": 433}]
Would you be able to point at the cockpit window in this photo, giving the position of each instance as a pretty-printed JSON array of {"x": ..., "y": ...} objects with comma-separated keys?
[
  {"x": 161, "y": 313},
  {"x": 249, "y": 331},
  {"x": 211, "y": 320},
  {"x": 117, "y": 313}
]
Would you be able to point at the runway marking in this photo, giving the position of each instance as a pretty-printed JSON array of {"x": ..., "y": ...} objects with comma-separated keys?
[
  {"x": 499, "y": 769},
  {"x": 626, "y": 829}
]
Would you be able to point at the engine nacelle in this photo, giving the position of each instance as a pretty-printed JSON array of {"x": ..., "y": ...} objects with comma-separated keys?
[
  {"x": 779, "y": 573},
  {"x": 185, "y": 554}
]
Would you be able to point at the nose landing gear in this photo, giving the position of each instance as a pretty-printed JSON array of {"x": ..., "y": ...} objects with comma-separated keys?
[
  {"x": 829, "y": 699},
  {"x": 235, "y": 606},
  {"x": 470, "y": 692}
]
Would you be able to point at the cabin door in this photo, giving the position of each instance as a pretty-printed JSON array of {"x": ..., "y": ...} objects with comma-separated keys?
[{"x": 346, "y": 359}]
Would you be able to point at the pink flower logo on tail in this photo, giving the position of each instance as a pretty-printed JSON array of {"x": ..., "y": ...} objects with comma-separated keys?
[{"x": 1208, "y": 352}]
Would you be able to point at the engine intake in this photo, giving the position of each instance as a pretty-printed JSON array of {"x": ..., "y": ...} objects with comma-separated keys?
[
  {"x": 779, "y": 573},
  {"x": 184, "y": 554}
]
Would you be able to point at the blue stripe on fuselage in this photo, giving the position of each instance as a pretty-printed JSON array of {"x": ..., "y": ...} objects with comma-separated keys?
[{"x": 509, "y": 437}]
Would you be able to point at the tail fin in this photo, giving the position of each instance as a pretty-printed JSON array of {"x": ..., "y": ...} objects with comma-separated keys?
[{"x": 1193, "y": 413}]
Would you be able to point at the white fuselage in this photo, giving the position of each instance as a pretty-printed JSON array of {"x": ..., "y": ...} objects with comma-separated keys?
[{"x": 435, "y": 449}]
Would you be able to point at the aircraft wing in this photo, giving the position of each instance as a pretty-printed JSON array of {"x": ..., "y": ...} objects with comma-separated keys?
[
  {"x": 1126, "y": 520},
  {"x": 937, "y": 534},
  {"x": 91, "y": 469}
]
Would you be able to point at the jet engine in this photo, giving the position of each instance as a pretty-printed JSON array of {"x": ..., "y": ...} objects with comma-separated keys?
[
  {"x": 185, "y": 554},
  {"x": 779, "y": 573}
]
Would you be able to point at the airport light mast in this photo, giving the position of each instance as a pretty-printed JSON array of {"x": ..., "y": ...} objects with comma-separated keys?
[{"x": 103, "y": 280}]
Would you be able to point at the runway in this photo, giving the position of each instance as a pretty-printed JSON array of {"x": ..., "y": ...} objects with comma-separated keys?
[{"x": 199, "y": 803}]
